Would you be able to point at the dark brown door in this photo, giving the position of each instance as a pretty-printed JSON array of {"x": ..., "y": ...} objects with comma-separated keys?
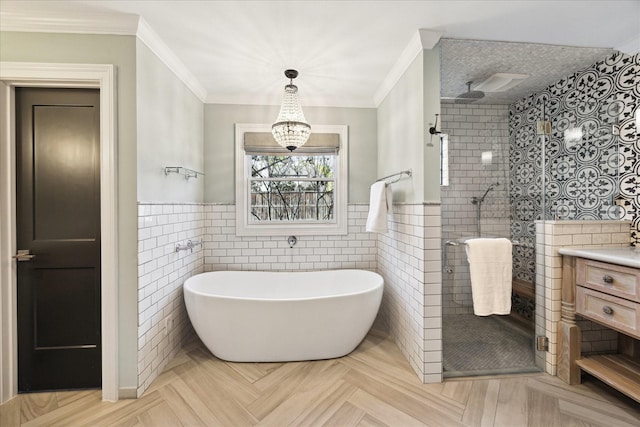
[{"x": 58, "y": 222}]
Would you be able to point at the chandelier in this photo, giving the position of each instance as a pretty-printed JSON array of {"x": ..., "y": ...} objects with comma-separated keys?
[{"x": 291, "y": 129}]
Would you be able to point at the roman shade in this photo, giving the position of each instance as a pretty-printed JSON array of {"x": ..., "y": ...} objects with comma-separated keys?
[{"x": 318, "y": 143}]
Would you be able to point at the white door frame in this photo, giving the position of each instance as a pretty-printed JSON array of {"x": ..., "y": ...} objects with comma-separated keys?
[{"x": 13, "y": 74}]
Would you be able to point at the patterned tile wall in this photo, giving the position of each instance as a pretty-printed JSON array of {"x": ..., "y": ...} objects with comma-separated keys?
[{"x": 595, "y": 175}]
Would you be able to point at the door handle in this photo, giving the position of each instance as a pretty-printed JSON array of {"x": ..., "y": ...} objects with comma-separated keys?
[{"x": 23, "y": 255}]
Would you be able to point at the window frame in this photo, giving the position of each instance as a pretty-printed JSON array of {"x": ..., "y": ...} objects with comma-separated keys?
[{"x": 245, "y": 227}]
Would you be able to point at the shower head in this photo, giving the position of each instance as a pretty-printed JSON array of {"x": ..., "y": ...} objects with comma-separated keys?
[
  {"x": 469, "y": 96},
  {"x": 491, "y": 187}
]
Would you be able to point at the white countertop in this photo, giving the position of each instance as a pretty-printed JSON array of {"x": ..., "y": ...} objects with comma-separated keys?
[{"x": 627, "y": 256}]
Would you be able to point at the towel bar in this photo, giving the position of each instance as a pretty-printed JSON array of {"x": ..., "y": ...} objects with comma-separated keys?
[
  {"x": 408, "y": 172},
  {"x": 513, "y": 242},
  {"x": 188, "y": 173}
]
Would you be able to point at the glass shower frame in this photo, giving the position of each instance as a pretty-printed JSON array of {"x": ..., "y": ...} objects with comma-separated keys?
[{"x": 487, "y": 181}]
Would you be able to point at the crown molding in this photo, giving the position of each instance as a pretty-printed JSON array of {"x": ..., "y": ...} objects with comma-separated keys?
[
  {"x": 149, "y": 37},
  {"x": 422, "y": 39},
  {"x": 86, "y": 23},
  {"x": 104, "y": 23},
  {"x": 309, "y": 102}
]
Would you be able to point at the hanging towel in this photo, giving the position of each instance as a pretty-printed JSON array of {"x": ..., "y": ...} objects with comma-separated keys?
[
  {"x": 380, "y": 203},
  {"x": 490, "y": 266}
]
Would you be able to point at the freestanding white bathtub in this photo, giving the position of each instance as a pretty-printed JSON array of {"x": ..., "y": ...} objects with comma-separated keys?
[{"x": 250, "y": 316}]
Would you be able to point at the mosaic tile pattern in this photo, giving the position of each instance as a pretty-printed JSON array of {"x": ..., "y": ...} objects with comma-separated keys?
[
  {"x": 595, "y": 176},
  {"x": 476, "y": 60}
]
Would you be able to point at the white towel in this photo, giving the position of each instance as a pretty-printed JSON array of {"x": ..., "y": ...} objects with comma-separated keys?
[
  {"x": 380, "y": 203},
  {"x": 490, "y": 266}
]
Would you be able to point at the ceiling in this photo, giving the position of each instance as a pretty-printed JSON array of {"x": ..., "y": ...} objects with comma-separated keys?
[{"x": 236, "y": 51}]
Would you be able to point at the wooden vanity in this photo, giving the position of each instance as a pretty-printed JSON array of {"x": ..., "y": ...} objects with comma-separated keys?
[{"x": 602, "y": 285}]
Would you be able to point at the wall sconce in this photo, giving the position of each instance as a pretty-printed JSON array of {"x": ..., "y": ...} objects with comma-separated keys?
[
  {"x": 433, "y": 130},
  {"x": 573, "y": 134},
  {"x": 486, "y": 157}
]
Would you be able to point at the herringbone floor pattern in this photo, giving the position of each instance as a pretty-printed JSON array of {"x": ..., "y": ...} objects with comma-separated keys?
[{"x": 374, "y": 386}]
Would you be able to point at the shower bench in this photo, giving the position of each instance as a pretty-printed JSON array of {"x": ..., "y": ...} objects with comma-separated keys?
[{"x": 602, "y": 285}]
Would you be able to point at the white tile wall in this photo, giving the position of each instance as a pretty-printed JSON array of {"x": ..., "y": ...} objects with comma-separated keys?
[
  {"x": 408, "y": 256},
  {"x": 472, "y": 130},
  {"x": 550, "y": 237},
  {"x": 162, "y": 320},
  {"x": 409, "y": 260},
  {"x": 223, "y": 250}
]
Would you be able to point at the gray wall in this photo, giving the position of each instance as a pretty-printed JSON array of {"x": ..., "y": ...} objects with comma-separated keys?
[
  {"x": 219, "y": 140},
  {"x": 120, "y": 51},
  {"x": 170, "y": 132},
  {"x": 400, "y": 133},
  {"x": 431, "y": 107},
  {"x": 403, "y": 119}
]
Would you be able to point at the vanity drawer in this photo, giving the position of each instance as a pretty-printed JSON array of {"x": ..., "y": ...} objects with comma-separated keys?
[
  {"x": 613, "y": 279},
  {"x": 616, "y": 313}
]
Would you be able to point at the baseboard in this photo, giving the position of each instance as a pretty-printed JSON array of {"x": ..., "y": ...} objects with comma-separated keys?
[{"x": 127, "y": 393}]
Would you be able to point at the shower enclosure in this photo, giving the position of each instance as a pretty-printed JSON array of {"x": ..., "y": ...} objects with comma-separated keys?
[
  {"x": 477, "y": 202},
  {"x": 566, "y": 152}
]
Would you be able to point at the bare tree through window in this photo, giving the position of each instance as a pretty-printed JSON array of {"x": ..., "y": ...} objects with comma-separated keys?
[{"x": 292, "y": 188}]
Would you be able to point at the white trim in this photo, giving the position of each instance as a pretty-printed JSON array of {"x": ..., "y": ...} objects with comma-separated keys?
[
  {"x": 307, "y": 101},
  {"x": 105, "y": 23},
  {"x": 59, "y": 22},
  {"x": 149, "y": 37},
  {"x": 8, "y": 336},
  {"x": 243, "y": 228},
  {"x": 62, "y": 75},
  {"x": 422, "y": 39}
]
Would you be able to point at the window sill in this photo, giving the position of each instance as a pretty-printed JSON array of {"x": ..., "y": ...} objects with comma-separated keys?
[{"x": 292, "y": 229}]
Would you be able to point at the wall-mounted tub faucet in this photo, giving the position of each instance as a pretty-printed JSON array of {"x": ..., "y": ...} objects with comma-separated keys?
[
  {"x": 292, "y": 240},
  {"x": 189, "y": 246}
]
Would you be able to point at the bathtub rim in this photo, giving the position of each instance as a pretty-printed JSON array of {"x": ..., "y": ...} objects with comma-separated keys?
[{"x": 374, "y": 288}]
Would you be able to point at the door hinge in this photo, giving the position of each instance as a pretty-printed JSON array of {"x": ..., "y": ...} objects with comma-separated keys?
[{"x": 542, "y": 343}]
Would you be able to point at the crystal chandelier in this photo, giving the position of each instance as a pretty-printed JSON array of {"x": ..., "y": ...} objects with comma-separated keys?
[{"x": 291, "y": 129}]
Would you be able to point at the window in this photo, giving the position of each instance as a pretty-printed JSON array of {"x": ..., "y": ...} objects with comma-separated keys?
[
  {"x": 444, "y": 159},
  {"x": 283, "y": 193},
  {"x": 292, "y": 188}
]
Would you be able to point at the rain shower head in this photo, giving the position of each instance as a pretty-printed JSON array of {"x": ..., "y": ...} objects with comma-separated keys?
[{"x": 469, "y": 96}]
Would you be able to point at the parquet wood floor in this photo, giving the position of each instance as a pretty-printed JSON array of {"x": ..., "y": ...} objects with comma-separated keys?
[{"x": 374, "y": 386}]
